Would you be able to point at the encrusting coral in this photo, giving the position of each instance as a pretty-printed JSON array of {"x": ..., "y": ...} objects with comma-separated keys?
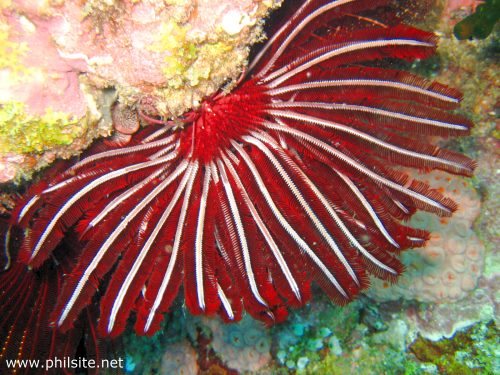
[
  {"x": 449, "y": 267},
  {"x": 179, "y": 358},
  {"x": 63, "y": 62},
  {"x": 244, "y": 346}
]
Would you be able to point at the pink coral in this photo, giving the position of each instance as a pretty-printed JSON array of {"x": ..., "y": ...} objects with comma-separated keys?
[
  {"x": 453, "y": 7},
  {"x": 449, "y": 266},
  {"x": 8, "y": 167},
  {"x": 179, "y": 358},
  {"x": 50, "y": 80},
  {"x": 70, "y": 54},
  {"x": 127, "y": 45}
]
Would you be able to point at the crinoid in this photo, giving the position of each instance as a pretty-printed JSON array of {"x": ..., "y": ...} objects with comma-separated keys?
[{"x": 289, "y": 179}]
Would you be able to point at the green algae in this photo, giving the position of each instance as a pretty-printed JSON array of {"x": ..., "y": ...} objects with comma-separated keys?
[
  {"x": 379, "y": 360},
  {"x": 21, "y": 132},
  {"x": 472, "y": 351},
  {"x": 146, "y": 352},
  {"x": 480, "y": 24}
]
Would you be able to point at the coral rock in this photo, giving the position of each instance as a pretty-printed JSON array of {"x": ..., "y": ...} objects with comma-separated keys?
[
  {"x": 449, "y": 267},
  {"x": 59, "y": 57},
  {"x": 244, "y": 346},
  {"x": 179, "y": 358}
]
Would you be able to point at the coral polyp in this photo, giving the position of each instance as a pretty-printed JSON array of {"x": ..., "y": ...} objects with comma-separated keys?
[{"x": 290, "y": 179}]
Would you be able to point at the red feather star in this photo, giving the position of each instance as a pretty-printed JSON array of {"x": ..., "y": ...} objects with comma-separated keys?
[{"x": 291, "y": 178}]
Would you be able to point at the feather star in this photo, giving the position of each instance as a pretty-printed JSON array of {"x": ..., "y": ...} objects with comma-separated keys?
[{"x": 289, "y": 179}]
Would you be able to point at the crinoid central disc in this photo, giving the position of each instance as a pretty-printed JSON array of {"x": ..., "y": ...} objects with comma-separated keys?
[{"x": 221, "y": 120}]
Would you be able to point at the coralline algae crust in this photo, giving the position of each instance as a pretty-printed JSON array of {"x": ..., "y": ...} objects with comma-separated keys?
[{"x": 58, "y": 57}]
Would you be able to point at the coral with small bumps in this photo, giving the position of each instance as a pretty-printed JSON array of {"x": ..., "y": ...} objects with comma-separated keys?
[
  {"x": 179, "y": 358},
  {"x": 313, "y": 332},
  {"x": 449, "y": 266},
  {"x": 243, "y": 346}
]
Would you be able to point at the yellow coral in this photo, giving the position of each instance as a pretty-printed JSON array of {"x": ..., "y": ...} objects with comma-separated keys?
[
  {"x": 11, "y": 53},
  {"x": 175, "y": 2},
  {"x": 208, "y": 56},
  {"x": 21, "y": 132},
  {"x": 188, "y": 62},
  {"x": 181, "y": 53}
]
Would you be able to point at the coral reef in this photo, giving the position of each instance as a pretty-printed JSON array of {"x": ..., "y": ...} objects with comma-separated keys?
[
  {"x": 385, "y": 339},
  {"x": 179, "y": 358},
  {"x": 438, "y": 321},
  {"x": 312, "y": 332},
  {"x": 458, "y": 335},
  {"x": 244, "y": 346},
  {"x": 147, "y": 355},
  {"x": 59, "y": 60},
  {"x": 468, "y": 352},
  {"x": 449, "y": 266}
]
